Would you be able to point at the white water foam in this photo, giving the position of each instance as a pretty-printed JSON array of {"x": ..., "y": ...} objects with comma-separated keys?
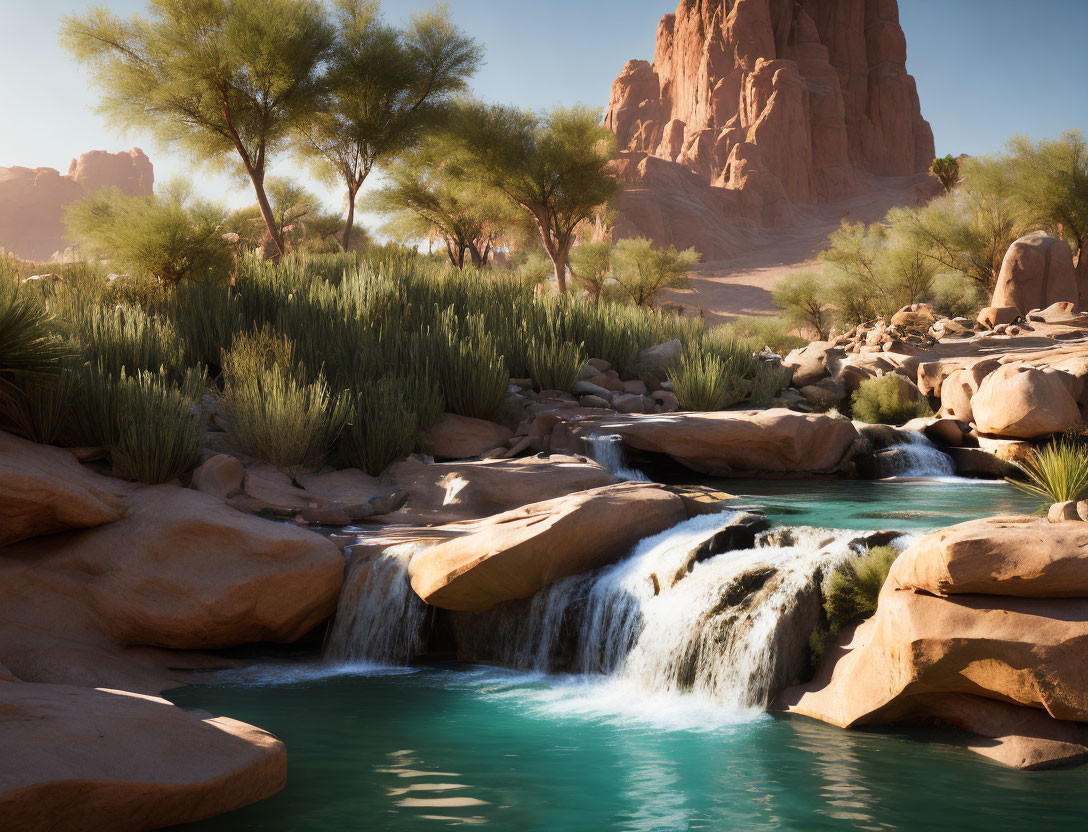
[
  {"x": 608, "y": 451},
  {"x": 919, "y": 458}
]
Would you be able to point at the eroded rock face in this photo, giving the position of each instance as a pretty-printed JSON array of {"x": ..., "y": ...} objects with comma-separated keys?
[
  {"x": 1037, "y": 272},
  {"x": 1021, "y": 402},
  {"x": 460, "y": 437},
  {"x": 991, "y": 609},
  {"x": 85, "y": 759},
  {"x": 768, "y": 104},
  {"x": 512, "y": 555},
  {"x": 33, "y": 200}
]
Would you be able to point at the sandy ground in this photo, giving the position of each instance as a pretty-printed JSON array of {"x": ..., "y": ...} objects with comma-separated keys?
[{"x": 742, "y": 285}]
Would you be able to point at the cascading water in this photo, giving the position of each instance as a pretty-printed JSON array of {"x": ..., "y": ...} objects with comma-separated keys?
[
  {"x": 918, "y": 457},
  {"x": 379, "y": 618},
  {"x": 732, "y": 629},
  {"x": 608, "y": 451}
]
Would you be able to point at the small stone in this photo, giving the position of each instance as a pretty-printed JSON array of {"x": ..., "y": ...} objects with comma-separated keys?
[
  {"x": 636, "y": 387},
  {"x": 629, "y": 403},
  {"x": 600, "y": 365},
  {"x": 586, "y": 388},
  {"x": 1063, "y": 512},
  {"x": 594, "y": 401}
]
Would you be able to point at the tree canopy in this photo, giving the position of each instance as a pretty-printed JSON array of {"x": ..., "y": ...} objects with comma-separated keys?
[{"x": 226, "y": 79}]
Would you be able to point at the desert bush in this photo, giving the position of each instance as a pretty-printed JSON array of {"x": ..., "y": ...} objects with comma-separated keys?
[
  {"x": 760, "y": 332},
  {"x": 30, "y": 352},
  {"x": 471, "y": 371},
  {"x": 1055, "y": 473},
  {"x": 160, "y": 438},
  {"x": 277, "y": 419},
  {"x": 170, "y": 238},
  {"x": 704, "y": 381},
  {"x": 42, "y": 406},
  {"x": 804, "y": 301},
  {"x": 590, "y": 265},
  {"x": 769, "y": 382},
  {"x": 555, "y": 364},
  {"x": 127, "y": 338},
  {"x": 388, "y": 421},
  {"x": 883, "y": 401},
  {"x": 255, "y": 353},
  {"x": 206, "y": 316},
  {"x": 851, "y": 591},
  {"x": 643, "y": 272}
]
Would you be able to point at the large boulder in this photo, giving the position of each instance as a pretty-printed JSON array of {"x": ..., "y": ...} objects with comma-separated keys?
[
  {"x": 740, "y": 443},
  {"x": 993, "y": 609},
  {"x": 1037, "y": 271},
  {"x": 45, "y": 490},
  {"x": 450, "y": 492},
  {"x": 813, "y": 362},
  {"x": 1022, "y": 402},
  {"x": 517, "y": 553},
  {"x": 459, "y": 437},
  {"x": 84, "y": 759}
]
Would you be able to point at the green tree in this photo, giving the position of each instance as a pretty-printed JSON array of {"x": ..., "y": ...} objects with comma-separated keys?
[
  {"x": 383, "y": 89},
  {"x": 591, "y": 265},
  {"x": 803, "y": 298},
  {"x": 171, "y": 237},
  {"x": 643, "y": 271},
  {"x": 428, "y": 195},
  {"x": 228, "y": 80},
  {"x": 947, "y": 170},
  {"x": 291, "y": 203},
  {"x": 554, "y": 167}
]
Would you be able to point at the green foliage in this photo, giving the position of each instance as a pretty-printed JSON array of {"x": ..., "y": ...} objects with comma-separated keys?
[
  {"x": 255, "y": 353},
  {"x": 168, "y": 239},
  {"x": 769, "y": 382},
  {"x": 643, "y": 272},
  {"x": 159, "y": 438},
  {"x": 470, "y": 370},
  {"x": 803, "y": 298},
  {"x": 555, "y": 364},
  {"x": 127, "y": 338},
  {"x": 389, "y": 419},
  {"x": 851, "y": 591},
  {"x": 591, "y": 265},
  {"x": 29, "y": 351},
  {"x": 705, "y": 381},
  {"x": 886, "y": 401},
  {"x": 1055, "y": 473},
  {"x": 761, "y": 332},
  {"x": 947, "y": 170},
  {"x": 277, "y": 419}
]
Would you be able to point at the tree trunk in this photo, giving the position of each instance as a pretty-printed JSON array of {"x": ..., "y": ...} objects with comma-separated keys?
[
  {"x": 1082, "y": 272},
  {"x": 345, "y": 241},
  {"x": 266, "y": 213}
]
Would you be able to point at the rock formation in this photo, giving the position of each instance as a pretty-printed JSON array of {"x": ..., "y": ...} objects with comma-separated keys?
[
  {"x": 32, "y": 201},
  {"x": 754, "y": 107},
  {"x": 1037, "y": 272}
]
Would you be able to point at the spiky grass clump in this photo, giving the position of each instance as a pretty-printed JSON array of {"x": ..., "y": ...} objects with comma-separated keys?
[
  {"x": 277, "y": 419},
  {"x": 161, "y": 438},
  {"x": 388, "y": 421},
  {"x": 885, "y": 401},
  {"x": 1055, "y": 473},
  {"x": 704, "y": 382},
  {"x": 29, "y": 350},
  {"x": 769, "y": 382},
  {"x": 554, "y": 364},
  {"x": 127, "y": 339},
  {"x": 851, "y": 591},
  {"x": 471, "y": 372}
]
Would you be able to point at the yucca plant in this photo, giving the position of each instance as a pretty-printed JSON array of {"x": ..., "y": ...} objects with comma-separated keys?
[
  {"x": 277, "y": 419},
  {"x": 554, "y": 364},
  {"x": 29, "y": 349},
  {"x": 42, "y": 408},
  {"x": 704, "y": 382},
  {"x": 1055, "y": 473},
  {"x": 160, "y": 438}
]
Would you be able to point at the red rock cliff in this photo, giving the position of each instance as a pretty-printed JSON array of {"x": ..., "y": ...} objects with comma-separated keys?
[
  {"x": 32, "y": 201},
  {"x": 771, "y": 103}
]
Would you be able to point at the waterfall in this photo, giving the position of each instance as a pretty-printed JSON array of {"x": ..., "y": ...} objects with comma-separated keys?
[
  {"x": 918, "y": 457},
  {"x": 379, "y": 618},
  {"x": 732, "y": 629},
  {"x": 608, "y": 452}
]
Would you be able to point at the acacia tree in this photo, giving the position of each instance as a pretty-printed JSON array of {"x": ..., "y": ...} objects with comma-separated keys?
[
  {"x": 947, "y": 170},
  {"x": 227, "y": 79},
  {"x": 383, "y": 88},
  {"x": 554, "y": 167},
  {"x": 428, "y": 195},
  {"x": 642, "y": 271},
  {"x": 803, "y": 299}
]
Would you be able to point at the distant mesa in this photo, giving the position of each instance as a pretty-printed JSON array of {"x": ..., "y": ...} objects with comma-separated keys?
[
  {"x": 32, "y": 201},
  {"x": 753, "y": 110}
]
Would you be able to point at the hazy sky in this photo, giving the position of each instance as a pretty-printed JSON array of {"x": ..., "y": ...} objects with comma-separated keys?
[{"x": 986, "y": 69}]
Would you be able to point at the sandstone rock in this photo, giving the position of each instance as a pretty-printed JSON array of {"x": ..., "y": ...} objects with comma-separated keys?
[
  {"x": 600, "y": 365},
  {"x": 917, "y": 317},
  {"x": 33, "y": 201},
  {"x": 1057, "y": 313},
  {"x": 594, "y": 401},
  {"x": 85, "y": 759},
  {"x": 459, "y": 437},
  {"x": 995, "y": 316},
  {"x": 1025, "y": 403},
  {"x": 1063, "y": 512},
  {"x": 734, "y": 443},
  {"x": 761, "y": 105},
  {"x": 517, "y": 553},
  {"x": 1037, "y": 271},
  {"x": 823, "y": 395},
  {"x": 449, "y": 492},
  {"x": 609, "y": 381},
  {"x": 653, "y": 363},
  {"x": 664, "y": 402},
  {"x": 44, "y": 490},
  {"x": 630, "y": 403},
  {"x": 949, "y": 432},
  {"x": 975, "y": 462},
  {"x": 811, "y": 363},
  {"x": 221, "y": 476}
]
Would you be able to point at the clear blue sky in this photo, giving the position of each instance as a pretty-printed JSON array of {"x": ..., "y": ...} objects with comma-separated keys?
[{"x": 986, "y": 69}]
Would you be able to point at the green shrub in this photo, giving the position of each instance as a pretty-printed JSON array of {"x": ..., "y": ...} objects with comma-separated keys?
[
  {"x": 851, "y": 591},
  {"x": 160, "y": 438},
  {"x": 643, "y": 272},
  {"x": 255, "y": 353},
  {"x": 42, "y": 407},
  {"x": 704, "y": 381},
  {"x": 128, "y": 339},
  {"x": 1056, "y": 473},
  {"x": 803, "y": 299},
  {"x": 471, "y": 372},
  {"x": 279, "y": 420},
  {"x": 206, "y": 316},
  {"x": 554, "y": 364},
  {"x": 762, "y": 332},
  {"x": 388, "y": 421},
  {"x": 887, "y": 401},
  {"x": 769, "y": 383},
  {"x": 29, "y": 350}
]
